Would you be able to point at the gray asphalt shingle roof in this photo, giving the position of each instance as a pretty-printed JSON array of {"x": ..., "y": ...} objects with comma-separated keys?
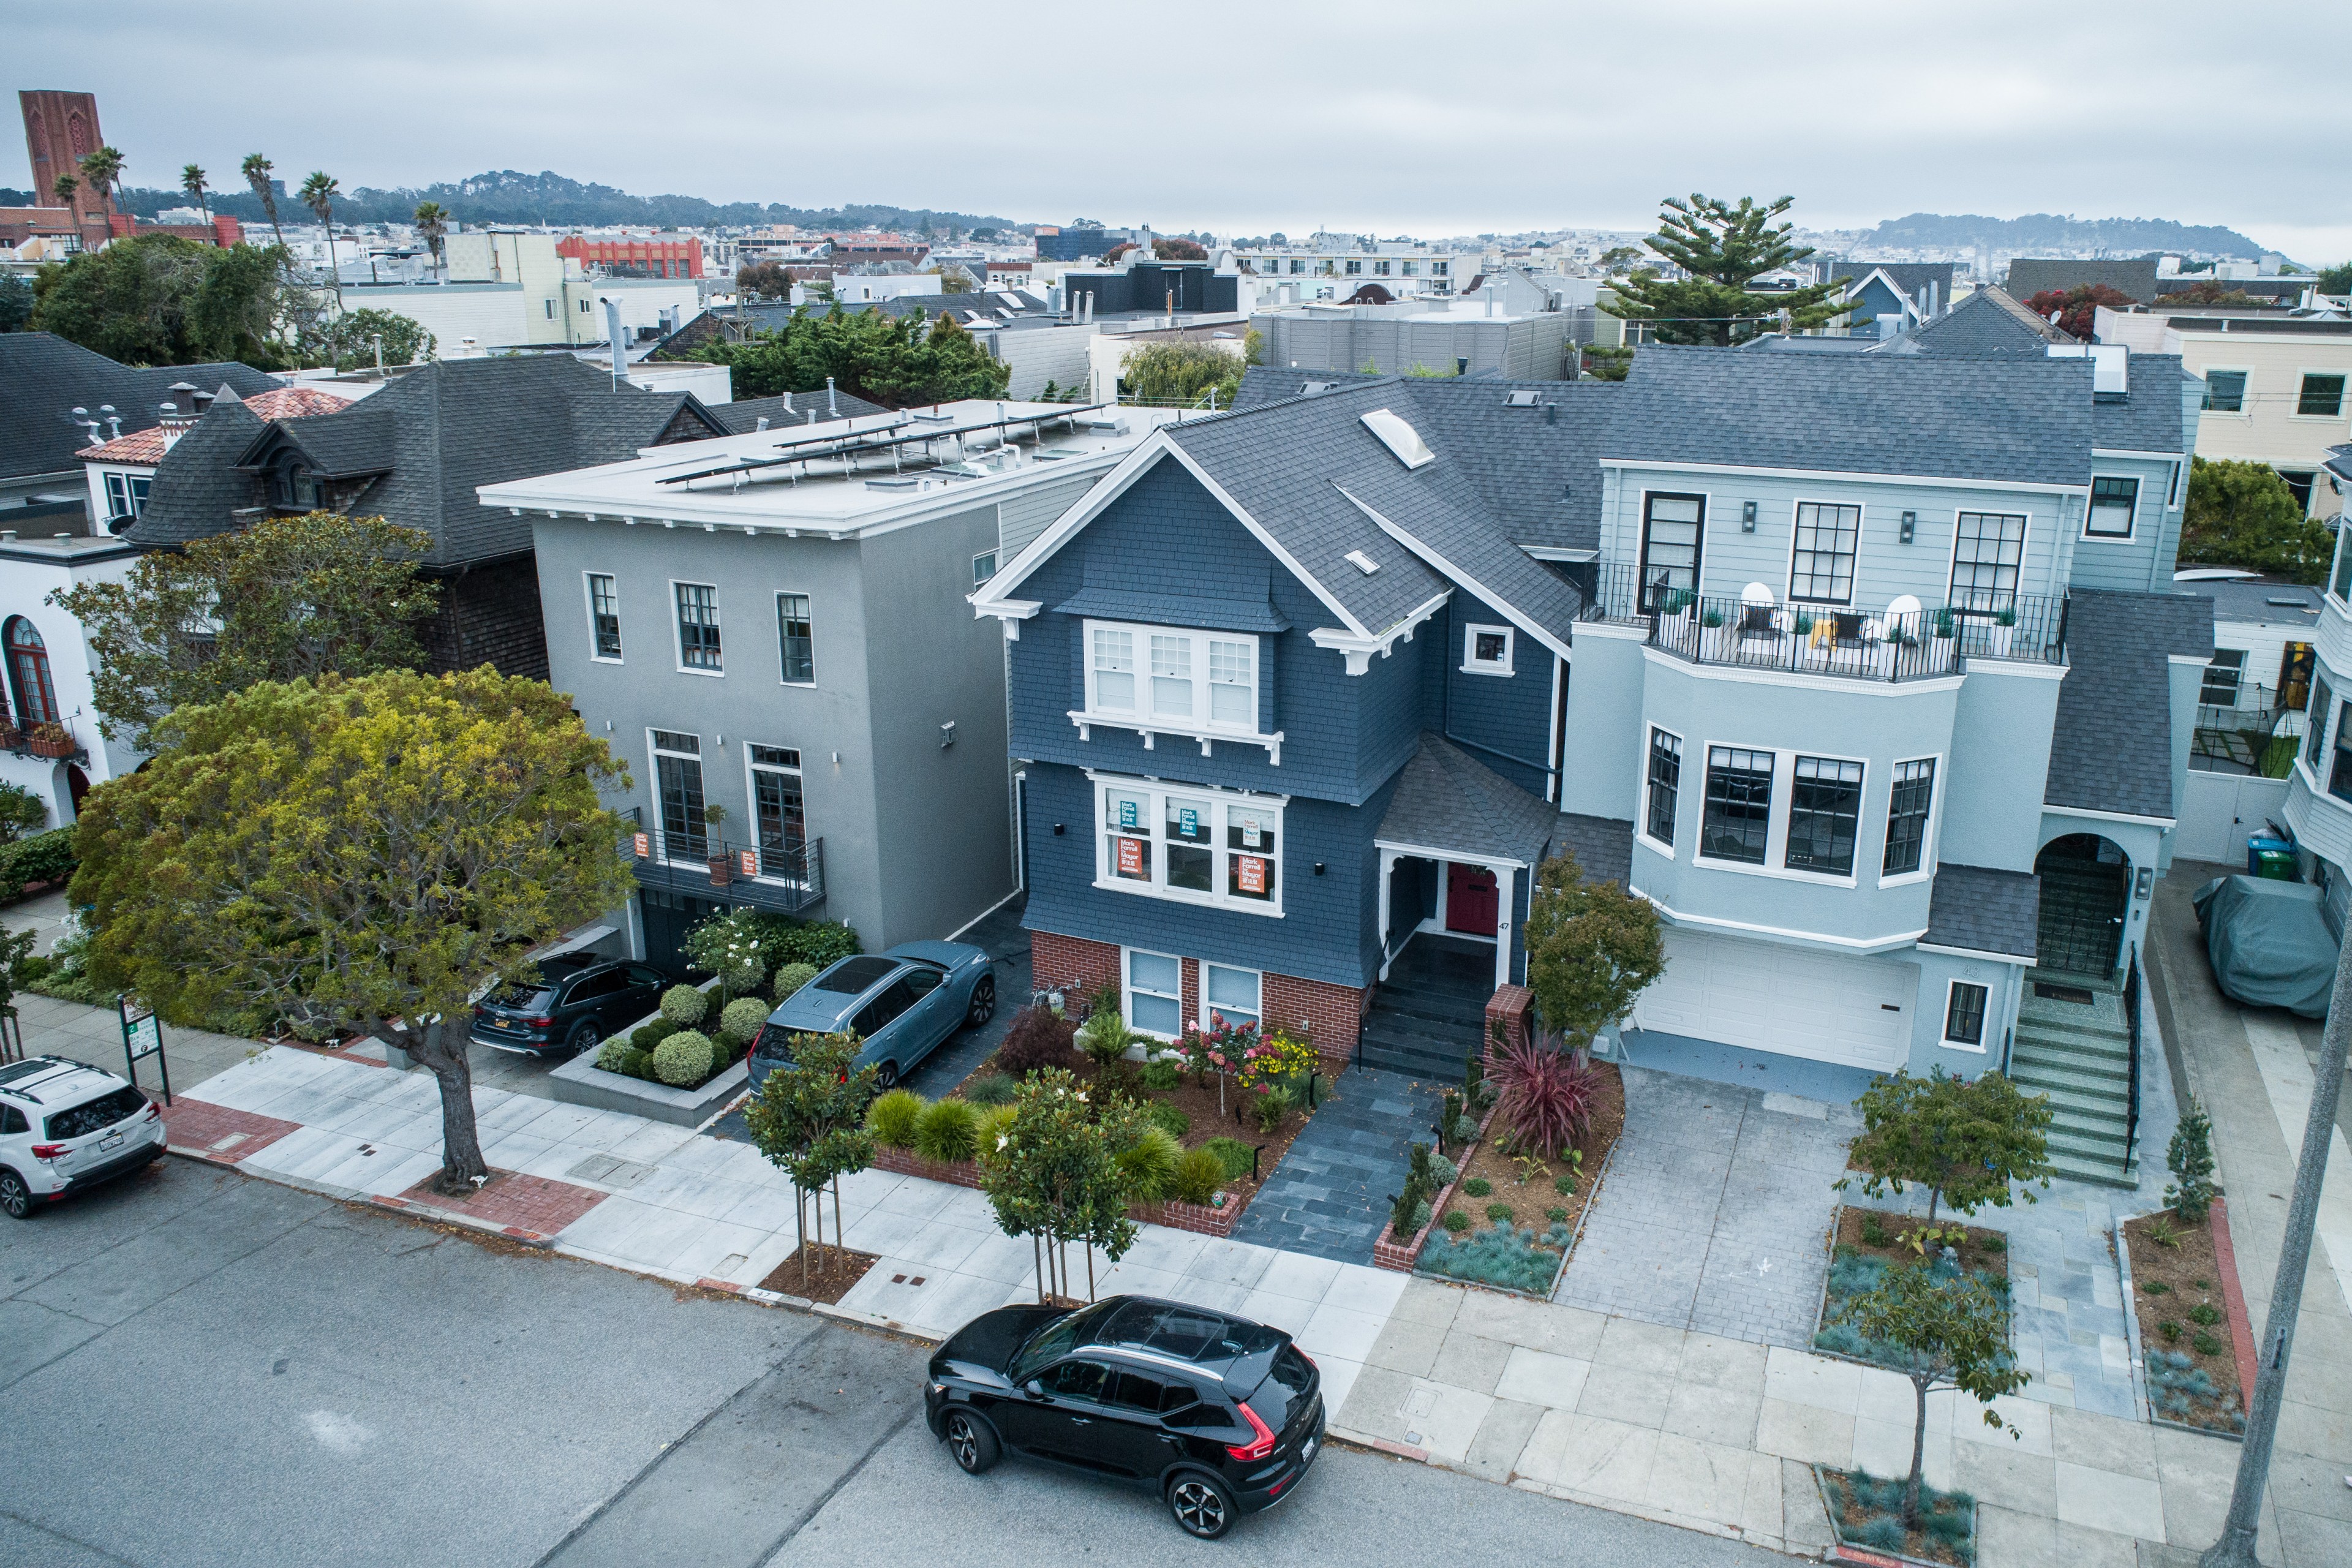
[
  {"x": 1988, "y": 324},
  {"x": 1923, "y": 415},
  {"x": 1910, "y": 277},
  {"x": 197, "y": 485},
  {"x": 2150, "y": 418},
  {"x": 1603, "y": 847},
  {"x": 43, "y": 378},
  {"x": 1444, "y": 800},
  {"x": 743, "y": 415},
  {"x": 2031, "y": 275},
  {"x": 1985, "y": 911},
  {"x": 2111, "y": 749}
]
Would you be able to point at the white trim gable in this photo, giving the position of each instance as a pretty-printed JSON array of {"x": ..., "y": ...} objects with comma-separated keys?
[
  {"x": 994, "y": 598},
  {"x": 1454, "y": 573}
]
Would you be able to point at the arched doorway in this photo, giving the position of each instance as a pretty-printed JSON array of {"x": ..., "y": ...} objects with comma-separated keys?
[{"x": 2085, "y": 894}]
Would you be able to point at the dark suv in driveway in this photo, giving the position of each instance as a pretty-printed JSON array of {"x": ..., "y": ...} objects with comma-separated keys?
[
  {"x": 580, "y": 997},
  {"x": 1217, "y": 1415}
]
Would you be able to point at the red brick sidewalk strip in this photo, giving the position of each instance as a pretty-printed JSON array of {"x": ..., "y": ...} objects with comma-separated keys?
[
  {"x": 2233, "y": 1297},
  {"x": 216, "y": 1133},
  {"x": 529, "y": 1208}
]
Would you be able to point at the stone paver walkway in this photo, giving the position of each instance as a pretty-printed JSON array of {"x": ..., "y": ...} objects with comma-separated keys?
[
  {"x": 1330, "y": 1197},
  {"x": 1714, "y": 1213}
]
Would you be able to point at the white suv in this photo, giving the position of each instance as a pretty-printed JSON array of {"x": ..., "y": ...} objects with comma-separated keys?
[{"x": 64, "y": 1127}]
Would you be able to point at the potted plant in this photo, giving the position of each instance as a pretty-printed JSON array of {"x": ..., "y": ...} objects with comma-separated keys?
[
  {"x": 722, "y": 868},
  {"x": 50, "y": 740},
  {"x": 2004, "y": 630},
  {"x": 1710, "y": 636}
]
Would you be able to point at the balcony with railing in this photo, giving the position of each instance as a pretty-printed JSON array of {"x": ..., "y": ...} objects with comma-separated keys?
[
  {"x": 1904, "y": 641},
  {"x": 2244, "y": 728},
  {"x": 790, "y": 881},
  {"x": 51, "y": 741}
]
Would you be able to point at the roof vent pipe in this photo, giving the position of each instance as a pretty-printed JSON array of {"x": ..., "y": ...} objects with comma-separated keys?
[
  {"x": 832, "y": 401},
  {"x": 762, "y": 424},
  {"x": 788, "y": 404}
]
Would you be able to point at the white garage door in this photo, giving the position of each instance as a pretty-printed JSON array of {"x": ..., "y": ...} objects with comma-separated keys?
[{"x": 1855, "y": 1011}]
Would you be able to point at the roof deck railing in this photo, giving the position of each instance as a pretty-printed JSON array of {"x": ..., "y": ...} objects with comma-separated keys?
[{"x": 1903, "y": 641}]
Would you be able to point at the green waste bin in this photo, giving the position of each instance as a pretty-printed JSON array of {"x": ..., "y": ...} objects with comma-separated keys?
[{"x": 2270, "y": 857}]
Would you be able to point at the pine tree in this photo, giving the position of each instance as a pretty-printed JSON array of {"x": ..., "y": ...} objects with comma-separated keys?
[{"x": 1723, "y": 248}]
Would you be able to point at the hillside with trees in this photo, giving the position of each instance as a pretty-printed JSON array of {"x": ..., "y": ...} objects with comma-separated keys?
[{"x": 2051, "y": 233}]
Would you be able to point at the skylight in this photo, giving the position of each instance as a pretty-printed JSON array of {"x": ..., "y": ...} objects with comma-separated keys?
[
  {"x": 1521, "y": 399},
  {"x": 1362, "y": 563},
  {"x": 1400, "y": 438}
]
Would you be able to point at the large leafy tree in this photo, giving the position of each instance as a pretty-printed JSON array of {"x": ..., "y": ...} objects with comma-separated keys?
[
  {"x": 406, "y": 341},
  {"x": 1183, "y": 374},
  {"x": 353, "y": 855},
  {"x": 162, "y": 300},
  {"x": 2242, "y": 513},
  {"x": 1593, "y": 948},
  {"x": 15, "y": 302},
  {"x": 897, "y": 362},
  {"x": 1723, "y": 248},
  {"x": 284, "y": 599},
  {"x": 2077, "y": 308},
  {"x": 2336, "y": 279},
  {"x": 1955, "y": 1334},
  {"x": 1966, "y": 1141}
]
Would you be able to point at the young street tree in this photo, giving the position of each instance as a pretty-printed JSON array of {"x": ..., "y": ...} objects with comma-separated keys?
[
  {"x": 1053, "y": 1173},
  {"x": 1964, "y": 1140},
  {"x": 1723, "y": 248},
  {"x": 1956, "y": 1331},
  {"x": 809, "y": 1120},
  {"x": 353, "y": 855},
  {"x": 284, "y": 599},
  {"x": 256, "y": 170},
  {"x": 1593, "y": 948}
]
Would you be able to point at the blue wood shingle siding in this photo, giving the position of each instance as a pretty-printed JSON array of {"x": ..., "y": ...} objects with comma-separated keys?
[{"x": 1489, "y": 714}]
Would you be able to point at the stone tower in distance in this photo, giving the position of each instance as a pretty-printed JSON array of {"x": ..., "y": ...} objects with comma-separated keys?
[{"x": 60, "y": 130}]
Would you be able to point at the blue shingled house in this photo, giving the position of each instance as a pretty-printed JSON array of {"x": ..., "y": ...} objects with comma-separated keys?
[{"x": 1865, "y": 670}]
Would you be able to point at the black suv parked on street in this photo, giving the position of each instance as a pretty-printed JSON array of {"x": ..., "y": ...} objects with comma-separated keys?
[
  {"x": 580, "y": 997},
  {"x": 1219, "y": 1415}
]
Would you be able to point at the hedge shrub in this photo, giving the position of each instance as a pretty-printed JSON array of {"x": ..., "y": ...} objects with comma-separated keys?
[
  {"x": 646, "y": 1037},
  {"x": 1236, "y": 1157},
  {"x": 892, "y": 1118},
  {"x": 684, "y": 1059},
  {"x": 42, "y": 857},
  {"x": 1038, "y": 1038},
  {"x": 948, "y": 1130},
  {"x": 791, "y": 977},
  {"x": 684, "y": 1006},
  {"x": 1168, "y": 1118},
  {"x": 739, "y": 1024}
]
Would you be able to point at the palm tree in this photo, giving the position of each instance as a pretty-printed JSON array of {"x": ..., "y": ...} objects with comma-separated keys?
[
  {"x": 318, "y": 193},
  {"x": 64, "y": 188},
  {"x": 256, "y": 174},
  {"x": 103, "y": 171},
  {"x": 433, "y": 222},
  {"x": 192, "y": 180}
]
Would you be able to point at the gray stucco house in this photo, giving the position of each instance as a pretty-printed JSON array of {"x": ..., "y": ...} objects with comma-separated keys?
[{"x": 773, "y": 622}]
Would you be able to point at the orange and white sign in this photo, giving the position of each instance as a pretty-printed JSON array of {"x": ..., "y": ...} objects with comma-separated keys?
[
  {"x": 1250, "y": 872},
  {"x": 749, "y": 861},
  {"x": 1130, "y": 857},
  {"x": 644, "y": 845}
]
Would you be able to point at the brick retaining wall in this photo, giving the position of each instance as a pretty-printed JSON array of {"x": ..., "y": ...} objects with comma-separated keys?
[{"x": 1198, "y": 1218}]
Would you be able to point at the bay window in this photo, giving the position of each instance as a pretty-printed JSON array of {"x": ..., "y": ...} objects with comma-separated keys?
[{"x": 1197, "y": 845}]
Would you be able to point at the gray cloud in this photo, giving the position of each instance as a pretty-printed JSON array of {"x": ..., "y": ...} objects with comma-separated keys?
[{"x": 1364, "y": 115}]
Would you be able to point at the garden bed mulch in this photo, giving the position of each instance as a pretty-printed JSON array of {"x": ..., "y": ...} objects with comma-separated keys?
[
  {"x": 1873, "y": 1233},
  {"x": 1530, "y": 1188},
  {"x": 1199, "y": 1104},
  {"x": 2192, "y": 1372},
  {"x": 831, "y": 1270},
  {"x": 1870, "y": 1532}
]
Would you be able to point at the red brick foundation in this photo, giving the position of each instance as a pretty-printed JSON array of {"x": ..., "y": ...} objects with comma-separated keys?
[
  {"x": 1400, "y": 1255},
  {"x": 1512, "y": 1006},
  {"x": 1331, "y": 1015},
  {"x": 1071, "y": 965}
]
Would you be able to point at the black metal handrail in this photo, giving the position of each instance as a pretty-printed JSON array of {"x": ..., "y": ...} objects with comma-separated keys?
[
  {"x": 1822, "y": 639},
  {"x": 2131, "y": 1028},
  {"x": 705, "y": 865}
]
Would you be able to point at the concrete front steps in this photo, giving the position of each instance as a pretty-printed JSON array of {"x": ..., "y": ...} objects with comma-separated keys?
[
  {"x": 1424, "y": 1032},
  {"x": 2080, "y": 1057}
]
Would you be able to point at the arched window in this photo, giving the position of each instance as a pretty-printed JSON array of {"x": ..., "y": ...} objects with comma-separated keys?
[{"x": 28, "y": 673}]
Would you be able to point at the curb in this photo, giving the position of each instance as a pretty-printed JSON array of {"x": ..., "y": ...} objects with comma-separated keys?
[
  {"x": 2225, "y": 1262},
  {"x": 2143, "y": 1401}
]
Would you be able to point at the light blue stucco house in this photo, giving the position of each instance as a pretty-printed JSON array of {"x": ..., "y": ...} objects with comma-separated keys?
[{"x": 1864, "y": 669}]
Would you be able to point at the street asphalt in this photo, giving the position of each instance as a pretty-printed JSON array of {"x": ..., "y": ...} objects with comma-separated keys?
[{"x": 198, "y": 1368}]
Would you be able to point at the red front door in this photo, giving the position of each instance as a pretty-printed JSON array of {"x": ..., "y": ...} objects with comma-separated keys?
[{"x": 1469, "y": 898}]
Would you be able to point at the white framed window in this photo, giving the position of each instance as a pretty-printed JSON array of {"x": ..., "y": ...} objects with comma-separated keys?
[
  {"x": 1154, "y": 994},
  {"x": 698, "y": 628},
  {"x": 1189, "y": 681},
  {"x": 1195, "y": 846},
  {"x": 1910, "y": 812},
  {"x": 677, "y": 791},
  {"x": 1767, "y": 812},
  {"x": 1487, "y": 650},
  {"x": 1233, "y": 994},
  {"x": 604, "y": 617},
  {"x": 1988, "y": 551},
  {"x": 984, "y": 567},
  {"x": 779, "y": 810},
  {"x": 1964, "y": 1002},
  {"x": 2114, "y": 500},
  {"x": 2320, "y": 394}
]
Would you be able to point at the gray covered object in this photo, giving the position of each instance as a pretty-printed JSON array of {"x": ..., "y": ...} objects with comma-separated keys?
[{"x": 2269, "y": 943}]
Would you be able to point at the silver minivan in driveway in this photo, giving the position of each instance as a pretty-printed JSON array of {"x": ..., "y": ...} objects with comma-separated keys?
[
  {"x": 903, "y": 1004},
  {"x": 65, "y": 1127}
]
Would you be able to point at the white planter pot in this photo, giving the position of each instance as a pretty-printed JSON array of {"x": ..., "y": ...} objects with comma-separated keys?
[{"x": 2001, "y": 638}]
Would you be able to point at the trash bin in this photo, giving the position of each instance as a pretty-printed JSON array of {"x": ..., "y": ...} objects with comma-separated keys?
[{"x": 2270, "y": 857}]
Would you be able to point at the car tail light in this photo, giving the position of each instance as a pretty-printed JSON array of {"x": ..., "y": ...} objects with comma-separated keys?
[
  {"x": 539, "y": 1022},
  {"x": 48, "y": 1150},
  {"x": 1251, "y": 1452},
  {"x": 1307, "y": 1359}
]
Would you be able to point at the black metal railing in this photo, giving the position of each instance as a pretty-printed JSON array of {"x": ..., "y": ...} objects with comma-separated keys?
[
  {"x": 2131, "y": 1028},
  {"x": 1818, "y": 639},
  {"x": 790, "y": 880}
]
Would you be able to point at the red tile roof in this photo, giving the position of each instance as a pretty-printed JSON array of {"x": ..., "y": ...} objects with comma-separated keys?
[{"x": 146, "y": 446}]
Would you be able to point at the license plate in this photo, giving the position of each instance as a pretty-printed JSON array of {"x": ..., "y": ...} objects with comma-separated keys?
[
  {"x": 112, "y": 1141},
  {"x": 504, "y": 1024},
  {"x": 1309, "y": 1452}
]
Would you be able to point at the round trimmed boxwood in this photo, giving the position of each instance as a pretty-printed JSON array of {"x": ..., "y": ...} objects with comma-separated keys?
[
  {"x": 1478, "y": 1187},
  {"x": 1456, "y": 1221},
  {"x": 791, "y": 977},
  {"x": 609, "y": 1054},
  {"x": 684, "y": 1058},
  {"x": 648, "y": 1035},
  {"x": 740, "y": 1022},
  {"x": 684, "y": 1006}
]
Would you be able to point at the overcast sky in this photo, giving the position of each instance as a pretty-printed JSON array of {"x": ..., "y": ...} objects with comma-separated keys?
[{"x": 1426, "y": 118}]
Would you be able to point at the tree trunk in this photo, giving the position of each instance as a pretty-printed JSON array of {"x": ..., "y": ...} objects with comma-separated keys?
[
  {"x": 836, "y": 1215},
  {"x": 1919, "y": 1457},
  {"x": 463, "y": 1168},
  {"x": 800, "y": 1233},
  {"x": 1934, "y": 1198}
]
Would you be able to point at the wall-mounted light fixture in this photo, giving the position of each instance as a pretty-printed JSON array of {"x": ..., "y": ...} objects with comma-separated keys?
[
  {"x": 1910, "y": 526},
  {"x": 1318, "y": 868},
  {"x": 1057, "y": 830},
  {"x": 1748, "y": 517},
  {"x": 947, "y": 734}
]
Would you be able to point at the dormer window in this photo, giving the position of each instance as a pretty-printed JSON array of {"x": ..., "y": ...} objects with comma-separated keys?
[{"x": 296, "y": 487}]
